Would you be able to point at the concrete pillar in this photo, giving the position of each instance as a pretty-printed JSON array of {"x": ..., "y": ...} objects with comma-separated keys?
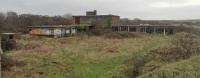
[
  {"x": 70, "y": 31},
  {"x": 164, "y": 31},
  {"x": 154, "y": 29},
  {"x": 145, "y": 29},
  {"x": 120, "y": 28},
  {"x": 128, "y": 28},
  {"x": 1, "y": 51},
  {"x": 137, "y": 29}
]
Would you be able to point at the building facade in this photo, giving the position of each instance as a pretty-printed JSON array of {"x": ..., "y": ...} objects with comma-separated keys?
[
  {"x": 52, "y": 31},
  {"x": 103, "y": 23},
  {"x": 145, "y": 28},
  {"x": 91, "y": 18}
]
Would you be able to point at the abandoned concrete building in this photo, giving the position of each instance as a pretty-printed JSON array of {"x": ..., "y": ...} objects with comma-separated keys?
[
  {"x": 91, "y": 18},
  {"x": 113, "y": 21},
  {"x": 94, "y": 22}
]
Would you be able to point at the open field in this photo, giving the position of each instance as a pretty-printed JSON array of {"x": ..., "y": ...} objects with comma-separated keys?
[{"x": 75, "y": 57}]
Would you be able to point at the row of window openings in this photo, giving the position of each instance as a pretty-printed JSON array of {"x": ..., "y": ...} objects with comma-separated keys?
[{"x": 142, "y": 29}]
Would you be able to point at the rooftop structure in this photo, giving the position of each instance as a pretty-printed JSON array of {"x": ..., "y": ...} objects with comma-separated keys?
[
  {"x": 93, "y": 19},
  {"x": 88, "y": 13}
]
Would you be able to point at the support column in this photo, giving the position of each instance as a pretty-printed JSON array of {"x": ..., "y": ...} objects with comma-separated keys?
[
  {"x": 1, "y": 51},
  {"x": 154, "y": 29},
  {"x": 128, "y": 28},
  {"x": 137, "y": 29},
  {"x": 164, "y": 31},
  {"x": 145, "y": 29},
  {"x": 117, "y": 28}
]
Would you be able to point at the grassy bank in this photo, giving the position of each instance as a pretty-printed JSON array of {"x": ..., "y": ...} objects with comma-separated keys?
[
  {"x": 73, "y": 57},
  {"x": 184, "y": 69}
]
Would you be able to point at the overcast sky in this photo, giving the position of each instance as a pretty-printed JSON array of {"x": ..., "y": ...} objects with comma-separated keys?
[{"x": 144, "y": 9}]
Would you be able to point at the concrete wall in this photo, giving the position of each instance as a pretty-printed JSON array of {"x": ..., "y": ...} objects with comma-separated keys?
[
  {"x": 98, "y": 20},
  {"x": 1, "y": 51},
  {"x": 59, "y": 32},
  {"x": 47, "y": 31}
]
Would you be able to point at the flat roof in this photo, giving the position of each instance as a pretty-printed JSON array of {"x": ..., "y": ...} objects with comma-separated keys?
[
  {"x": 146, "y": 25},
  {"x": 8, "y": 33},
  {"x": 58, "y": 26},
  {"x": 97, "y": 15},
  {"x": 47, "y": 26}
]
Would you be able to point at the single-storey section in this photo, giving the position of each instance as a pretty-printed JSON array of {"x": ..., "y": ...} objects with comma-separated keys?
[
  {"x": 146, "y": 28},
  {"x": 58, "y": 30},
  {"x": 52, "y": 31}
]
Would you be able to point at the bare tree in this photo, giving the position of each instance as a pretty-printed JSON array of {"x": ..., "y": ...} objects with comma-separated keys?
[{"x": 12, "y": 22}]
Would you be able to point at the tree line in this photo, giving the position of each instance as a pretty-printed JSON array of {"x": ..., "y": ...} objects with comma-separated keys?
[{"x": 13, "y": 22}]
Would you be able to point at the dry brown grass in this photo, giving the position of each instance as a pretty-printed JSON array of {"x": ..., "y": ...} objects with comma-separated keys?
[
  {"x": 32, "y": 45},
  {"x": 95, "y": 54},
  {"x": 112, "y": 50},
  {"x": 122, "y": 35}
]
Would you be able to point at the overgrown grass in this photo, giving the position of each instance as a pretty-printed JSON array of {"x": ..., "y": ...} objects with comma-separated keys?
[
  {"x": 183, "y": 69},
  {"x": 72, "y": 57}
]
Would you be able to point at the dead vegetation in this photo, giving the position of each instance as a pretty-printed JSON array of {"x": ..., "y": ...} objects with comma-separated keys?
[
  {"x": 181, "y": 47},
  {"x": 32, "y": 45},
  {"x": 113, "y": 50},
  {"x": 7, "y": 62},
  {"x": 102, "y": 54},
  {"x": 136, "y": 65},
  {"x": 122, "y": 35}
]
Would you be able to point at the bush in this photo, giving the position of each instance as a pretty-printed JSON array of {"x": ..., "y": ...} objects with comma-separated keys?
[
  {"x": 185, "y": 29},
  {"x": 183, "y": 46},
  {"x": 137, "y": 63},
  {"x": 100, "y": 31},
  {"x": 169, "y": 54},
  {"x": 188, "y": 42},
  {"x": 121, "y": 35},
  {"x": 7, "y": 62}
]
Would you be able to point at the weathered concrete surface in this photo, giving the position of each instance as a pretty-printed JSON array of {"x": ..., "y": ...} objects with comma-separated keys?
[{"x": 1, "y": 52}]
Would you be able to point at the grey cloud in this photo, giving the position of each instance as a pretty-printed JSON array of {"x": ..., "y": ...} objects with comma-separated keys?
[{"x": 125, "y": 8}]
